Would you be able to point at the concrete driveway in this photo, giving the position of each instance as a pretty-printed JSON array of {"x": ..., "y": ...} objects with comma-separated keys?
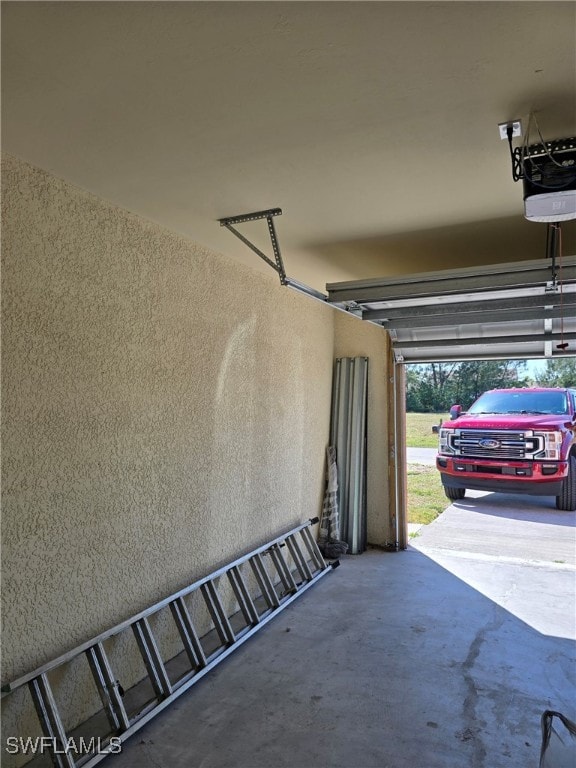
[
  {"x": 421, "y": 456},
  {"x": 519, "y": 551},
  {"x": 516, "y": 550}
]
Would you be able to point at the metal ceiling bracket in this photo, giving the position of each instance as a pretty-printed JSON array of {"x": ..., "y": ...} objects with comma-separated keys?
[
  {"x": 350, "y": 307},
  {"x": 277, "y": 264}
]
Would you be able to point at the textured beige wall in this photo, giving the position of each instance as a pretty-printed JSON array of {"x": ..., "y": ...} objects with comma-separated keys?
[
  {"x": 164, "y": 410},
  {"x": 355, "y": 338}
]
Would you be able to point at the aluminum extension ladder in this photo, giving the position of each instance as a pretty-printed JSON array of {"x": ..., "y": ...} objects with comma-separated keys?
[{"x": 255, "y": 587}]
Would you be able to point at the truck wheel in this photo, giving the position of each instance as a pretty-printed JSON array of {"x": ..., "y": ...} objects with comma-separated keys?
[
  {"x": 567, "y": 499},
  {"x": 454, "y": 493}
]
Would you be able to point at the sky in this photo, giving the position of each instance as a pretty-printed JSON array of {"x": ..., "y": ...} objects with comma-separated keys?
[{"x": 535, "y": 366}]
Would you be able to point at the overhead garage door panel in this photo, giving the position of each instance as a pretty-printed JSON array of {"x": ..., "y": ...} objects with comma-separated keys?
[{"x": 515, "y": 310}]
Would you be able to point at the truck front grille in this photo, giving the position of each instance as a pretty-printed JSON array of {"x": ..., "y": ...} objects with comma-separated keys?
[{"x": 496, "y": 444}]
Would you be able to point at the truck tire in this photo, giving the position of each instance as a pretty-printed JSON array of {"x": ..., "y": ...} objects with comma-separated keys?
[
  {"x": 567, "y": 499},
  {"x": 454, "y": 493}
]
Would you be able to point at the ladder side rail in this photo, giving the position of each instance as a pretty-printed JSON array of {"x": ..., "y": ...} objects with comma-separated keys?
[
  {"x": 299, "y": 559},
  {"x": 243, "y": 596},
  {"x": 107, "y": 688},
  {"x": 152, "y": 659},
  {"x": 264, "y": 581},
  {"x": 283, "y": 570},
  {"x": 51, "y": 722},
  {"x": 218, "y": 614},
  {"x": 188, "y": 634},
  {"x": 127, "y": 623}
]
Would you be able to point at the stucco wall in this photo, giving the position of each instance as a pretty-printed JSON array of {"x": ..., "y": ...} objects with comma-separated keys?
[{"x": 164, "y": 410}]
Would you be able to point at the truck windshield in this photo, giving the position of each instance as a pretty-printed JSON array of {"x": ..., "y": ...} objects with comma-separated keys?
[{"x": 521, "y": 402}]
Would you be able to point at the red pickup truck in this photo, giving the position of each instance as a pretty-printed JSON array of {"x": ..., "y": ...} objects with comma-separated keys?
[{"x": 512, "y": 441}]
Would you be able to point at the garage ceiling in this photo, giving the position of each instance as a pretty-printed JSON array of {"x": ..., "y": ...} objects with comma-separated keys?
[{"x": 373, "y": 125}]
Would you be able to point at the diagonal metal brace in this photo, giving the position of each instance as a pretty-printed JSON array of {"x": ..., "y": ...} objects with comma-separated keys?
[{"x": 277, "y": 264}]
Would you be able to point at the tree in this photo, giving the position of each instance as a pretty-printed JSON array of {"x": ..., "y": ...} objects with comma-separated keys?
[
  {"x": 413, "y": 395},
  {"x": 434, "y": 387},
  {"x": 477, "y": 376},
  {"x": 558, "y": 373},
  {"x": 429, "y": 387}
]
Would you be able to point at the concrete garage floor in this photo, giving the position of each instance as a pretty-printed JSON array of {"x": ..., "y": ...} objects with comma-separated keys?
[{"x": 442, "y": 656}]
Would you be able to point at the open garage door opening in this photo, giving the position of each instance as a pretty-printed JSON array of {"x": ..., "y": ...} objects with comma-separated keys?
[
  {"x": 450, "y": 320},
  {"x": 503, "y": 427}
]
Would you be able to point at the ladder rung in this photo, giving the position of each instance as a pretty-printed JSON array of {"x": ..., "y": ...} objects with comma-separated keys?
[
  {"x": 298, "y": 558},
  {"x": 218, "y": 614},
  {"x": 152, "y": 659},
  {"x": 264, "y": 581},
  {"x": 312, "y": 548},
  {"x": 283, "y": 570},
  {"x": 188, "y": 634},
  {"x": 107, "y": 688},
  {"x": 50, "y": 720},
  {"x": 243, "y": 596}
]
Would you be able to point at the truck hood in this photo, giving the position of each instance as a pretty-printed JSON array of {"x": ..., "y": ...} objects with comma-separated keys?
[{"x": 510, "y": 421}]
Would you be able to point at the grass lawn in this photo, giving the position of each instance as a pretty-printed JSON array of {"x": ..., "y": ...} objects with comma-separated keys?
[
  {"x": 419, "y": 429},
  {"x": 426, "y": 497}
]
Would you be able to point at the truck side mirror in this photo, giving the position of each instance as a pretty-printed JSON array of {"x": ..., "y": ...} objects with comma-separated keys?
[
  {"x": 435, "y": 429},
  {"x": 455, "y": 411}
]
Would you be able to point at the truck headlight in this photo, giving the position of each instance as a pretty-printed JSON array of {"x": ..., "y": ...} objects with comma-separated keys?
[
  {"x": 552, "y": 445},
  {"x": 444, "y": 441}
]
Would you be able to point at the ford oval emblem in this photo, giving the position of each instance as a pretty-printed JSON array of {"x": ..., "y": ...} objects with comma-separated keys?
[{"x": 488, "y": 443}]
